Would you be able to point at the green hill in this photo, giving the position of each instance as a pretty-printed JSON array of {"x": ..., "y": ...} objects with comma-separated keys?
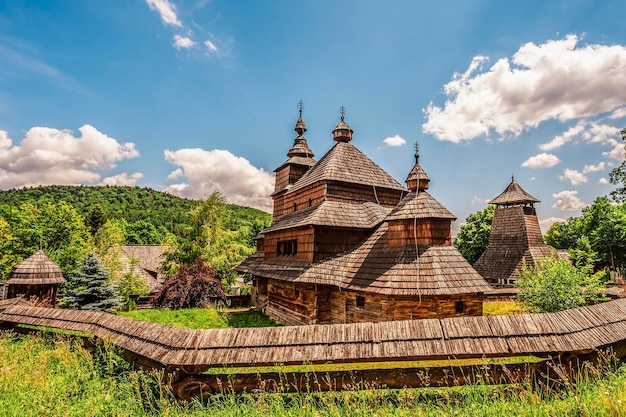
[{"x": 132, "y": 204}]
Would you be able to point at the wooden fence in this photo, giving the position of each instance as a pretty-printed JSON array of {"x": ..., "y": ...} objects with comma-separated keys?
[{"x": 194, "y": 360}]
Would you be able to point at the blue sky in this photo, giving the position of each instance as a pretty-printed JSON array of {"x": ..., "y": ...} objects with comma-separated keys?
[{"x": 192, "y": 96}]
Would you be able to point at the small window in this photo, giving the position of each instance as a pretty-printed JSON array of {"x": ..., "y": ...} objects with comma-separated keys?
[
  {"x": 297, "y": 293},
  {"x": 287, "y": 247},
  {"x": 295, "y": 206},
  {"x": 310, "y": 202},
  {"x": 360, "y": 301},
  {"x": 459, "y": 307}
]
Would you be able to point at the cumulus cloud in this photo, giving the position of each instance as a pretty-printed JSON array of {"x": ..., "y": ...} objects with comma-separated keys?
[
  {"x": 543, "y": 160},
  {"x": 47, "y": 156},
  {"x": 618, "y": 152},
  {"x": 181, "y": 42},
  {"x": 545, "y": 224},
  {"x": 603, "y": 181},
  {"x": 567, "y": 136},
  {"x": 533, "y": 86},
  {"x": 593, "y": 168},
  {"x": 568, "y": 201},
  {"x": 395, "y": 140},
  {"x": 167, "y": 11},
  {"x": 573, "y": 176},
  {"x": 219, "y": 170},
  {"x": 123, "y": 179}
]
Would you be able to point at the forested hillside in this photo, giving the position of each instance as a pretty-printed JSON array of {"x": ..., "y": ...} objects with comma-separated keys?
[{"x": 131, "y": 204}]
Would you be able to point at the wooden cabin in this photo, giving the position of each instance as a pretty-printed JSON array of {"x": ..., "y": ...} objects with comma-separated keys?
[
  {"x": 515, "y": 237},
  {"x": 349, "y": 244},
  {"x": 37, "y": 276}
]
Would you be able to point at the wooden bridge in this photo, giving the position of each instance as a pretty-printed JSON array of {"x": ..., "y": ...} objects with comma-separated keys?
[{"x": 195, "y": 360}]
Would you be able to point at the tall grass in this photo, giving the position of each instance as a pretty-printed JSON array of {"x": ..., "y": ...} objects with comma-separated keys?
[{"x": 57, "y": 376}]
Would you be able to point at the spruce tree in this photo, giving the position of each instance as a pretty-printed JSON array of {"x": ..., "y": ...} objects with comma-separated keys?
[{"x": 89, "y": 288}]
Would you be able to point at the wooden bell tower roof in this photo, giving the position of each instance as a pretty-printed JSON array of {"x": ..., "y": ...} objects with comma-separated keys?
[{"x": 514, "y": 195}]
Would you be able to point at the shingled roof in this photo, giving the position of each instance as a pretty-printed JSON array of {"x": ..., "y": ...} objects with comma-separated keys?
[
  {"x": 335, "y": 214},
  {"x": 419, "y": 206},
  {"x": 375, "y": 267},
  {"x": 513, "y": 194},
  {"x": 36, "y": 270},
  {"x": 344, "y": 162}
]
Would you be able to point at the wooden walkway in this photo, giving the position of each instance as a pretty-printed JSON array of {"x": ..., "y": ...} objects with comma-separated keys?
[{"x": 571, "y": 333}]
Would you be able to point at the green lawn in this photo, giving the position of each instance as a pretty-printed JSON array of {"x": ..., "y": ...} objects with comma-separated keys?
[{"x": 203, "y": 318}]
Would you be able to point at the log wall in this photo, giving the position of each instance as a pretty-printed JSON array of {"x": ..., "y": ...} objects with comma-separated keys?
[
  {"x": 305, "y": 238},
  {"x": 430, "y": 232},
  {"x": 342, "y": 191},
  {"x": 332, "y": 241},
  {"x": 291, "y": 303}
]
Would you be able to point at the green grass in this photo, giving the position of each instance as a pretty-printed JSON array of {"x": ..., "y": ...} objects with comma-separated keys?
[
  {"x": 57, "y": 376},
  {"x": 203, "y": 318}
]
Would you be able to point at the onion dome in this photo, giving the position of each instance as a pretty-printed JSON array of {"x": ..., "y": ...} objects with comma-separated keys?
[
  {"x": 36, "y": 270},
  {"x": 343, "y": 132},
  {"x": 300, "y": 146}
]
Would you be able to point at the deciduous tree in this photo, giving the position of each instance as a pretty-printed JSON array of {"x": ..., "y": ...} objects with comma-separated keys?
[{"x": 473, "y": 238}]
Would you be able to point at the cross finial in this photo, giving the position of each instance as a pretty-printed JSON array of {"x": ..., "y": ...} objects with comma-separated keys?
[
  {"x": 512, "y": 178},
  {"x": 416, "y": 146},
  {"x": 343, "y": 112},
  {"x": 301, "y": 107}
]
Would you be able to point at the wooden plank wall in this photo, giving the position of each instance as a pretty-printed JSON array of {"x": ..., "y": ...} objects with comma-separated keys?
[
  {"x": 305, "y": 238},
  {"x": 341, "y": 191},
  {"x": 430, "y": 232},
  {"x": 378, "y": 308},
  {"x": 291, "y": 303},
  {"x": 331, "y": 241}
]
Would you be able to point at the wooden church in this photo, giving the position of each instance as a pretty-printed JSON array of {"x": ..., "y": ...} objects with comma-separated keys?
[
  {"x": 515, "y": 237},
  {"x": 348, "y": 244}
]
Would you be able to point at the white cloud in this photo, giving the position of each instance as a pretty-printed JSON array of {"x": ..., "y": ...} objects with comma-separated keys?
[
  {"x": 533, "y": 86},
  {"x": 573, "y": 176},
  {"x": 545, "y": 224},
  {"x": 618, "y": 152},
  {"x": 568, "y": 201},
  {"x": 210, "y": 46},
  {"x": 619, "y": 113},
  {"x": 123, "y": 179},
  {"x": 561, "y": 140},
  {"x": 181, "y": 42},
  {"x": 167, "y": 11},
  {"x": 49, "y": 156},
  {"x": 543, "y": 160},
  {"x": 594, "y": 168},
  {"x": 603, "y": 181},
  {"x": 395, "y": 140},
  {"x": 480, "y": 201},
  {"x": 219, "y": 170}
]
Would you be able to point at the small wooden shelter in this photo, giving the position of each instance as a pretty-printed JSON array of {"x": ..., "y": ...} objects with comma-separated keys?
[
  {"x": 37, "y": 276},
  {"x": 515, "y": 237},
  {"x": 349, "y": 244}
]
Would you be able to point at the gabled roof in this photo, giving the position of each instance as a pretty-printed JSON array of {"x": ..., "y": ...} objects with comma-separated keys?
[
  {"x": 36, "y": 270},
  {"x": 419, "y": 206},
  {"x": 513, "y": 194},
  {"x": 335, "y": 214},
  {"x": 375, "y": 267},
  {"x": 344, "y": 162},
  {"x": 149, "y": 257}
]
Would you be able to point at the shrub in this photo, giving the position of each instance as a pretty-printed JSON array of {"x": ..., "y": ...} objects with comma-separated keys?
[
  {"x": 192, "y": 286},
  {"x": 556, "y": 285}
]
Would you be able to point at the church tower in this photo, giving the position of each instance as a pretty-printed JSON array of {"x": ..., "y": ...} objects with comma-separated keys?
[
  {"x": 515, "y": 237},
  {"x": 300, "y": 160}
]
